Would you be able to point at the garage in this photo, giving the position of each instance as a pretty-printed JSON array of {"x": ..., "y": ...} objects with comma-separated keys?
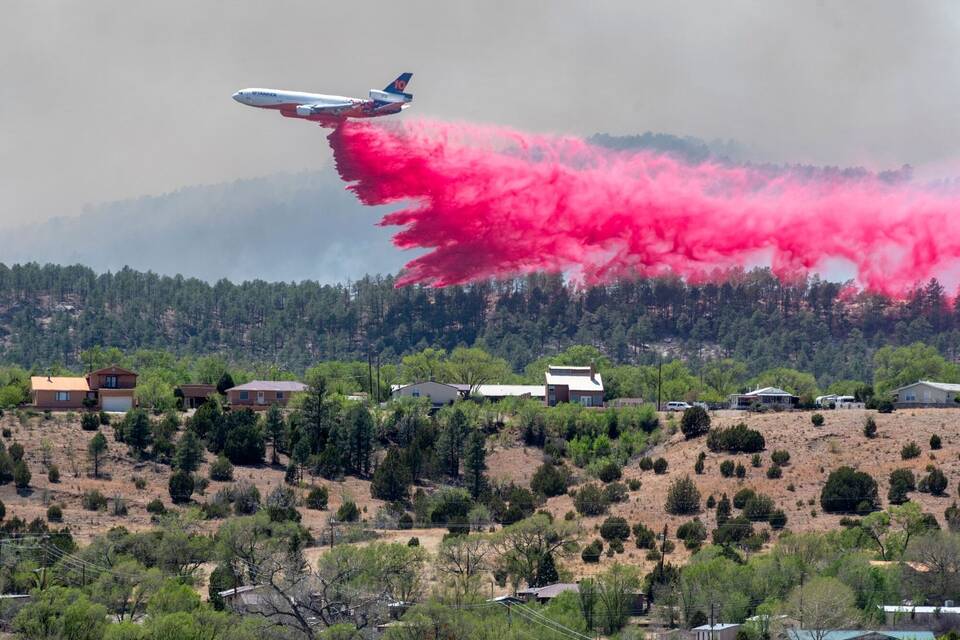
[{"x": 119, "y": 404}]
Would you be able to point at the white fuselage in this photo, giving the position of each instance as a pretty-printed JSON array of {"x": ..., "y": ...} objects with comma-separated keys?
[{"x": 280, "y": 99}]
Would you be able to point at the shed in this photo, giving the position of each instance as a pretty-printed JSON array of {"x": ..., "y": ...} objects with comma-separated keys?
[{"x": 718, "y": 631}]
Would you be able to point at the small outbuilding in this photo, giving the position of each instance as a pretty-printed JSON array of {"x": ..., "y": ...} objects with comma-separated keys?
[
  {"x": 771, "y": 397},
  {"x": 718, "y": 631}
]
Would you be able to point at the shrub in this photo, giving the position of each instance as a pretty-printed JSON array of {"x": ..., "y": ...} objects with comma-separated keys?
[
  {"x": 683, "y": 497},
  {"x": 910, "y": 450},
  {"x": 614, "y": 528},
  {"x": 653, "y": 555},
  {"x": 16, "y": 452},
  {"x": 698, "y": 466},
  {"x": 615, "y": 492},
  {"x": 550, "y": 480},
  {"x": 693, "y": 533},
  {"x": 590, "y": 500},
  {"x": 180, "y": 487},
  {"x": 139, "y": 482},
  {"x": 711, "y": 502},
  {"x": 885, "y": 406},
  {"x": 695, "y": 422},
  {"x": 902, "y": 482},
  {"x": 756, "y": 460},
  {"x": 246, "y": 499},
  {"x": 281, "y": 504},
  {"x": 93, "y": 500},
  {"x": 21, "y": 475},
  {"x": 758, "y": 508},
  {"x": 643, "y": 536},
  {"x": 935, "y": 482},
  {"x": 348, "y": 512},
  {"x": 633, "y": 484},
  {"x": 736, "y": 439},
  {"x": 616, "y": 546},
  {"x": 55, "y": 513},
  {"x": 89, "y": 421},
  {"x": 591, "y": 552},
  {"x": 775, "y": 472},
  {"x": 413, "y": 542},
  {"x": 817, "y": 419},
  {"x": 53, "y": 473},
  {"x": 778, "y": 519},
  {"x": 7, "y": 432},
  {"x": 780, "y": 457},
  {"x": 870, "y": 427},
  {"x": 607, "y": 470},
  {"x": 104, "y": 418},
  {"x": 935, "y": 442},
  {"x": 741, "y": 471},
  {"x": 317, "y": 498},
  {"x": 849, "y": 491},
  {"x": 646, "y": 463},
  {"x": 221, "y": 469},
  {"x": 726, "y": 468},
  {"x": 119, "y": 506},
  {"x": 723, "y": 509},
  {"x": 740, "y": 497},
  {"x": 156, "y": 507},
  {"x": 660, "y": 466}
]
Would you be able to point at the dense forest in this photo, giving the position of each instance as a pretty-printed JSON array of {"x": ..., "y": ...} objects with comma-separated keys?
[{"x": 51, "y": 314}]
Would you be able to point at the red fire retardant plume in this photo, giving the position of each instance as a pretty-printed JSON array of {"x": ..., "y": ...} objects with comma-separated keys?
[{"x": 494, "y": 202}]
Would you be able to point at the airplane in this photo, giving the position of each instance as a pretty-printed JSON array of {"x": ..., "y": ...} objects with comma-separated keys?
[{"x": 330, "y": 110}]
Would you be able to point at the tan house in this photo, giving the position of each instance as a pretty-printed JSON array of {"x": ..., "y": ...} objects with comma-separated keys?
[
  {"x": 260, "y": 394},
  {"x": 109, "y": 389},
  {"x": 927, "y": 393},
  {"x": 566, "y": 383}
]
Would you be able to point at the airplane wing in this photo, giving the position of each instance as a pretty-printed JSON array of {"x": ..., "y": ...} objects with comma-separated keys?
[{"x": 323, "y": 109}]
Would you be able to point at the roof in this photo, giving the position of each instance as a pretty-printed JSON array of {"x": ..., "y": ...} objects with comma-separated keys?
[
  {"x": 578, "y": 378},
  {"x": 720, "y": 626},
  {"x": 59, "y": 383},
  {"x": 768, "y": 391},
  {"x": 197, "y": 389},
  {"x": 942, "y": 386},
  {"x": 503, "y": 390},
  {"x": 270, "y": 385},
  {"x": 398, "y": 387},
  {"x": 238, "y": 590},
  {"x": 114, "y": 370},
  {"x": 552, "y": 590},
  {"x": 803, "y": 634},
  {"x": 909, "y": 608}
]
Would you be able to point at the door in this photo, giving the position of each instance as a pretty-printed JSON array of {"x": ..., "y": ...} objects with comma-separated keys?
[
  {"x": 119, "y": 404},
  {"x": 261, "y": 399}
]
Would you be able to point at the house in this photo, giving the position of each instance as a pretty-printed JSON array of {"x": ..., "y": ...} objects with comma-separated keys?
[
  {"x": 244, "y": 599},
  {"x": 718, "y": 631},
  {"x": 194, "y": 395},
  {"x": 438, "y": 393},
  {"x": 834, "y": 401},
  {"x": 261, "y": 394},
  {"x": 926, "y": 393},
  {"x": 59, "y": 392},
  {"x": 858, "y": 634},
  {"x": 109, "y": 389},
  {"x": 927, "y": 616},
  {"x": 573, "y": 384},
  {"x": 772, "y": 397}
]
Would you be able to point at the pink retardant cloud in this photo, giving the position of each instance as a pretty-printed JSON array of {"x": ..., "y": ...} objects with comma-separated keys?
[{"x": 494, "y": 202}]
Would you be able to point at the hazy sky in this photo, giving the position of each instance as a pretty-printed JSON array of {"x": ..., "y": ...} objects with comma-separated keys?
[{"x": 111, "y": 99}]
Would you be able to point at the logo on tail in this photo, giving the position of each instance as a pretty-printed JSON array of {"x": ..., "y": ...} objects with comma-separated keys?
[{"x": 400, "y": 84}]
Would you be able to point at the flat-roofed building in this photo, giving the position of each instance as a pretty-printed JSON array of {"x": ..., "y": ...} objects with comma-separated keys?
[{"x": 565, "y": 383}]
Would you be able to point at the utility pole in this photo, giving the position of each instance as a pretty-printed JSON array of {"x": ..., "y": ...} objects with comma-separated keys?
[
  {"x": 712, "y": 622},
  {"x": 370, "y": 373},
  {"x": 378, "y": 378},
  {"x": 801, "y": 599}
]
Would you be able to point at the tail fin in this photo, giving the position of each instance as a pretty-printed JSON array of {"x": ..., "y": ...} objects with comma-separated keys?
[{"x": 400, "y": 84}]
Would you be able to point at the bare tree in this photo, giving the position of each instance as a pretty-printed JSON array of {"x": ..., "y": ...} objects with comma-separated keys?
[
  {"x": 823, "y": 605},
  {"x": 462, "y": 559}
]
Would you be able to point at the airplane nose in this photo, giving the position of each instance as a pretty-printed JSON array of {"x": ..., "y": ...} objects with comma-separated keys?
[{"x": 238, "y": 96}]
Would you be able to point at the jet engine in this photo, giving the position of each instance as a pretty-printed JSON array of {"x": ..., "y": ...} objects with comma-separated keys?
[{"x": 304, "y": 110}]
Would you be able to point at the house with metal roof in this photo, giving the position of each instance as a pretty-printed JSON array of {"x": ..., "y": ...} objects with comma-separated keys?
[
  {"x": 858, "y": 634},
  {"x": 717, "y": 631},
  {"x": 566, "y": 383},
  {"x": 772, "y": 397},
  {"x": 901, "y": 615},
  {"x": 927, "y": 393},
  {"x": 438, "y": 393}
]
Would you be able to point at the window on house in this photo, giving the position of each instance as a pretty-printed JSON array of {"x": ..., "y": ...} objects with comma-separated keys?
[
  {"x": 415, "y": 393},
  {"x": 110, "y": 382},
  {"x": 244, "y": 395},
  {"x": 279, "y": 395},
  {"x": 63, "y": 396}
]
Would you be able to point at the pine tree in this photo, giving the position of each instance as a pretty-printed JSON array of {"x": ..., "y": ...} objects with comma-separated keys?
[
  {"x": 451, "y": 441},
  {"x": 546, "y": 571},
  {"x": 391, "y": 480},
  {"x": 136, "y": 431},
  {"x": 360, "y": 439},
  {"x": 475, "y": 461},
  {"x": 189, "y": 453},
  {"x": 275, "y": 428},
  {"x": 724, "y": 509},
  {"x": 317, "y": 415},
  {"x": 95, "y": 450}
]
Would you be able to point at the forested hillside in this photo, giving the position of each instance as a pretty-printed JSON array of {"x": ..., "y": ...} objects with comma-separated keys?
[{"x": 50, "y": 314}]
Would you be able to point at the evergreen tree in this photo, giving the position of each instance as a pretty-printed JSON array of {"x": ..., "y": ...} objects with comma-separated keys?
[
  {"x": 225, "y": 382},
  {"x": 391, "y": 480},
  {"x": 317, "y": 415},
  {"x": 360, "y": 440},
  {"x": 137, "y": 433},
  {"x": 451, "y": 442},
  {"x": 546, "y": 571},
  {"x": 189, "y": 453},
  {"x": 95, "y": 450},
  {"x": 207, "y": 419},
  {"x": 275, "y": 428},
  {"x": 724, "y": 510},
  {"x": 475, "y": 462}
]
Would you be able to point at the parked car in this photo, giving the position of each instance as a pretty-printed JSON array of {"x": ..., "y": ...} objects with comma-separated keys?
[{"x": 677, "y": 406}]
